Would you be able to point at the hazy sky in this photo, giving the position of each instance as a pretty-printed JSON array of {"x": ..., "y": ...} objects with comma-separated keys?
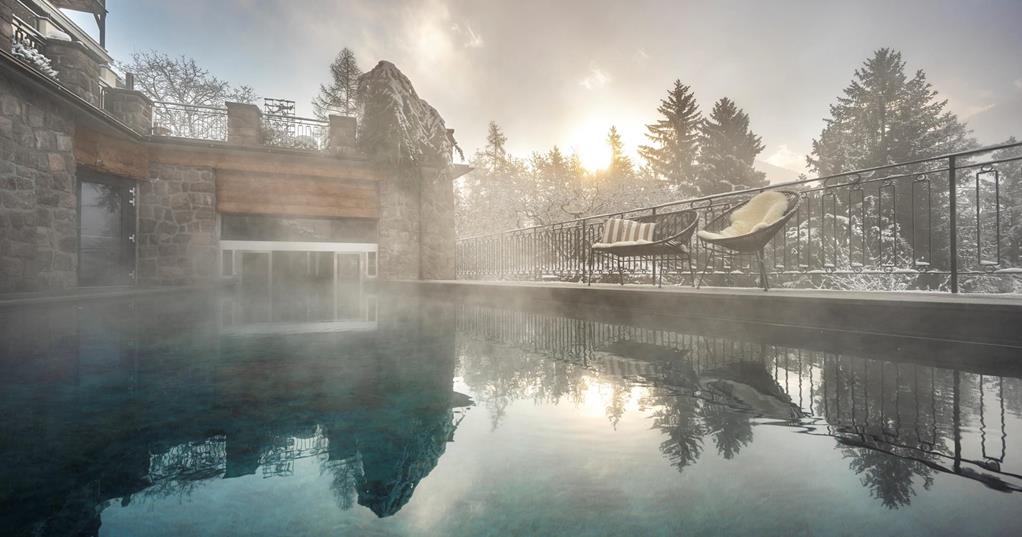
[{"x": 562, "y": 72}]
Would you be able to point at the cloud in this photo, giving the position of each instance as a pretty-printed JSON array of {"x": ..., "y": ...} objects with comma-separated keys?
[
  {"x": 788, "y": 159},
  {"x": 597, "y": 78},
  {"x": 473, "y": 40},
  {"x": 971, "y": 110}
]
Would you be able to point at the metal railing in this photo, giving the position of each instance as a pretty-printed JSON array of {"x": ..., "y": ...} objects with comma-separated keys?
[
  {"x": 189, "y": 121},
  {"x": 949, "y": 223},
  {"x": 295, "y": 132}
]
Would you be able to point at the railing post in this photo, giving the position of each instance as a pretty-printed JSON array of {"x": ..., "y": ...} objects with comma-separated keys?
[{"x": 953, "y": 210}]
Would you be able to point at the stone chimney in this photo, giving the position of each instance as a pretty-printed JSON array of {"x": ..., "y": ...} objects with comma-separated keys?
[{"x": 244, "y": 124}]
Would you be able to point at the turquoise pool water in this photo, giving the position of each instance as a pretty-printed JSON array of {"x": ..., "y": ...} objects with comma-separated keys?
[{"x": 373, "y": 415}]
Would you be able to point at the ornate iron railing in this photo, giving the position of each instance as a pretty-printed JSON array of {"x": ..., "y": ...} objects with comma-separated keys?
[
  {"x": 190, "y": 121},
  {"x": 295, "y": 132},
  {"x": 945, "y": 223}
]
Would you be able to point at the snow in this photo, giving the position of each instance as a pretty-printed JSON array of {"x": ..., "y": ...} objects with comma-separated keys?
[
  {"x": 398, "y": 125},
  {"x": 33, "y": 56}
]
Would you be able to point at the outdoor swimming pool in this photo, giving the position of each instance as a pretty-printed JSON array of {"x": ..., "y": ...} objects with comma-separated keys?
[{"x": 380, "y": 415}]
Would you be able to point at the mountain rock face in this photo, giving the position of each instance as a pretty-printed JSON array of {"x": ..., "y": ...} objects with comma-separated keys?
[{"x": 398, "y": 126}]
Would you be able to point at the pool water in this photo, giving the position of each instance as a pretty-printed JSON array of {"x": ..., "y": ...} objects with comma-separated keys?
[{"x": 401, "y": 416}]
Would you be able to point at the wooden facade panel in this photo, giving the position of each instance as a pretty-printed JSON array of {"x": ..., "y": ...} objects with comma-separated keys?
[
  {"x": 290, "y": 195},
  {"x": 265, "y": 162},
  {"x": 110, "y": 155}
]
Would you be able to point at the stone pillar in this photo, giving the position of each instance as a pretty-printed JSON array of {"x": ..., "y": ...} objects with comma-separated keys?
[
  {"x": 77, "y": 69},
  {"x": 437, "y": 213},
  {"x": 6, "y": 29},
  {"x": 416, "y": 225},
  {"x": 342, "y": 134},
  {"x": 133, "y": 108},
  {"x": 244, "y": 124},
  {"x": 398, "y": 228}
]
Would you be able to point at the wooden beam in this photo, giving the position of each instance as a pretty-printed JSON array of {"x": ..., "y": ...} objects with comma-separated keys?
[
  {"x": 261, "y": 160},
  {"x": 107, "y": 154}
]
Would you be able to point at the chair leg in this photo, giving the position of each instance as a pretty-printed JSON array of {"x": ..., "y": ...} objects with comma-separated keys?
[
  {"x": 620, "y": 271},
  {"x": 652, "y": 260},
  {"x": 706, "y": 267},
  {"x": 589, "y": 269},
  {"x": 692, "y": 271},
  {"x": 762, "y": 270}
]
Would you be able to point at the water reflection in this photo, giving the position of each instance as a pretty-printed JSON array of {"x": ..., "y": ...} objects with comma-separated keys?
[
  {"x": 108, "y": 407},
  {"x": 897, "y": 424},
  {"x": 136, "y": 402}
]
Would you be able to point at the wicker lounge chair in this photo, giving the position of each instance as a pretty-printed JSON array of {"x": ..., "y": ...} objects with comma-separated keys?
[
  {"x": 720, "y": 234},
  {"x": 672, "y": 233}
]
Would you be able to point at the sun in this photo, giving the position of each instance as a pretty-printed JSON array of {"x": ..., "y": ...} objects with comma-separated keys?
[{"x": 589, "y": 142}]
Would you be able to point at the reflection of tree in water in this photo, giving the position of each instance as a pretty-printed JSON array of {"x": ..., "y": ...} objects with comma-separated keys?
[
  {"x": 500, "y": 375},
  {"x": 678, "y": 418},
  {"x": 346, "y": 474},
  {"x": 731, "y": 430},
  {"x": 892, "y": 420},
  {"x": 889, "y": 478}
]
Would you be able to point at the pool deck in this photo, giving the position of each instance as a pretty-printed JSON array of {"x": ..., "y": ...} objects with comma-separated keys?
[{"x": 929, "y": 322}]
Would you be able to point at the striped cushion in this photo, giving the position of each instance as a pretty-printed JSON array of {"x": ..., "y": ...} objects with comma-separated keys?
[{"x": 618, "y": 230}]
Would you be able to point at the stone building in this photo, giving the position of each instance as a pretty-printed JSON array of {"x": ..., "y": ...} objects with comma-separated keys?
[{"x": 101, "y": 186}]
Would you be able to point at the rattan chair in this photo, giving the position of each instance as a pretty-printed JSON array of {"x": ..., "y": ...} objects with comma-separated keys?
[
  {"x": 750, "y": 243},
  {"x": 671, "y": 237}
]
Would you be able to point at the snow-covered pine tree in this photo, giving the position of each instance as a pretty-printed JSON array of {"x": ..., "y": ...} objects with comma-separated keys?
[
  {"x": 727, "y": 152},
  {"x": 885, "y": 117},
  {"x": 675, "y": 138},
  {"x": 340, "y": 97}
]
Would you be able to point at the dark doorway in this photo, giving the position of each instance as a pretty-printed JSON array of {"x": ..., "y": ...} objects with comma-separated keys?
[{"x": 106, "y": 232}]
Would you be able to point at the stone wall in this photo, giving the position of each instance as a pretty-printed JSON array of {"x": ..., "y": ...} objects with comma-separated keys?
[
  {"x": 177, "y": 226},
  {"x": 38, "y": 200},
  {"x": 416, "y": 227},
  {"x": 438, "y": 237},
  {"x": 398, "y": 227}
]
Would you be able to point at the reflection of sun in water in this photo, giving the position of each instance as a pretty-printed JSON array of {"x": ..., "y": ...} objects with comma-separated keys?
[{"x": 599, "y": 397}]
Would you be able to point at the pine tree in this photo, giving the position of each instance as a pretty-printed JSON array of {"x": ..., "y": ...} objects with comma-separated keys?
[
  {"x": 621, "y": 169},
  {"x": 340, "y": 96},
  {"x": 495, "y": 154},
  {"x": 885, "y": 117},
  {"x": 727, "y": 152},
  {"x": 675, "y": 138}
]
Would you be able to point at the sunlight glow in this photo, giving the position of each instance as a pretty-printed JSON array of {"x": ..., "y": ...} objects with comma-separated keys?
[{"x": 589, "y": 142}]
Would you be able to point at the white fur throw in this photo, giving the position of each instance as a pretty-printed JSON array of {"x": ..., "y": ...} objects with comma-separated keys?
[
  {"x": 621, "y": 232},
  {"x": 761, "y": 211}
]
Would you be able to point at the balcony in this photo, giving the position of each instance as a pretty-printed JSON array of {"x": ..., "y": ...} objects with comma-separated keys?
[
  {"x": 944, "y": 224},
  {"x": 273, "y": 125}
]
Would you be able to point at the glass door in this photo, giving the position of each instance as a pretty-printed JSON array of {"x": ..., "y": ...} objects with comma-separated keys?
[{"x": 106, "y": 237}]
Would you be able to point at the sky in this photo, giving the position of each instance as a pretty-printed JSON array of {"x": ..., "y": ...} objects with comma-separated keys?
[{"x": 562, "y": 72}]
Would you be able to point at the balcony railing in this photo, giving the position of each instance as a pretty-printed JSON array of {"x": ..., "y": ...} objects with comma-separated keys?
[
  {"x": 190, "y": 121},
  {"x": 946, "y": 223},
  {"x": 295, "y": 132}
]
